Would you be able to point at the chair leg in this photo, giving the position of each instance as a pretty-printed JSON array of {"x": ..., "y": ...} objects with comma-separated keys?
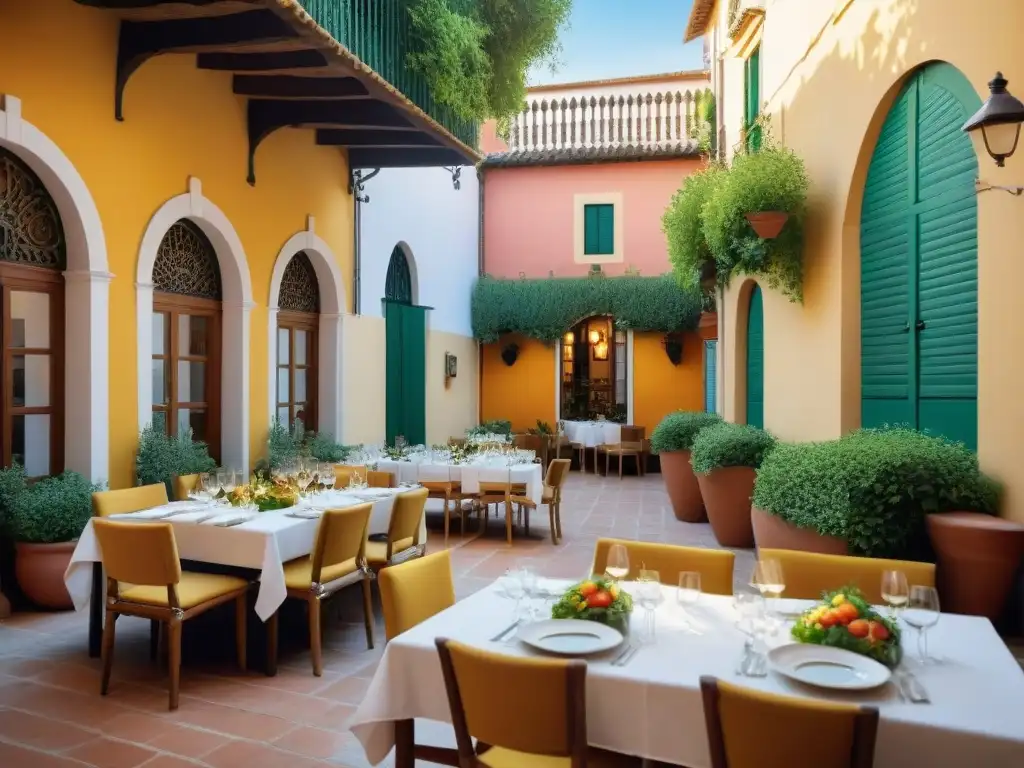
[
  {"x": 558, "y": 518},
  {"x": 107, "y": 650},
  {"x": 447, "y": 521},
  {"x": 241, "y": 604},
  {"x": 508, "y": 522},
  {"x": 154, "y": 639},
  {"x": 174, "y": 660},
  {"x": 622, "y": 459},
  {"x": 315, "y": 639},
  {"x": 368, "y": 612},
  {"x": 551, "y": 523}
]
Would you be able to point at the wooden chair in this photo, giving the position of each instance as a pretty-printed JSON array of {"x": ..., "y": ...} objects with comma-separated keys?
[
  {"x": 457, "y": 441},
  {"x": 106, "y": 503},
  {"x": 809, "y": 574},
  {"x": 622, "y": 451},
  {"x": 146, "y": 556},
  {"x": 413, "y": 591},
  {"x": 539, "y": 718},
  {"x": 346, "y": 473},
  {"x": 380, "y": 479},
  {"x": 502, "y": 493},
  {"x": 755, "y": 729},
  {"x": 403, "y": 530},
  {"x": 184, "y": 485},
  {"x": 338, "y": 560},
  {"x": 558, "y": 469},
  {"x": 630, "y": 433},
  {"x": 714, "y": 565}
]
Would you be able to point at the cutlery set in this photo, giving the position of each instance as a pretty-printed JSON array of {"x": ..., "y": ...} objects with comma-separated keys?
[
  {"x": 752, "y": 663},
  {"x": 910, "y": 688}
]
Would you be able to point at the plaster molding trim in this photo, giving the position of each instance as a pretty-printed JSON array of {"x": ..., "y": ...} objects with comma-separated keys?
[
  {"x": 86, "y": 294},
  {"x": 332, "y": 303},
  {"x": 580, "y": 201},
  {"x": 235, "y": 308}
]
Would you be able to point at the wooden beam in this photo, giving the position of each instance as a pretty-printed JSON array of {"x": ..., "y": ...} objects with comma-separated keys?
[
  {"x": 262, "y": 62},
  {"x": 139, "y": 41},
  {"x": 124, "y": 5},
  {"x": 342, "y": 137},
  {"x": 425, "y": 157},
  {"x": 291, "y": 87}
]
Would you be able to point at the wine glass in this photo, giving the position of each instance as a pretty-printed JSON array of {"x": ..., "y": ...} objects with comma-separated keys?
[
  {"x": 617, "y": 565},
  {"x": 529, "y": 581},
  {"x": 648, "y": 593},
  {"x": 327, "y": 477},
  {"x": 895, "y": 591},
  {"x": 228, "y": 483},
  {"x": 511, "y": 586},
  {"x": 922, "y": 613},
  {"x": 768, "y": 578}
]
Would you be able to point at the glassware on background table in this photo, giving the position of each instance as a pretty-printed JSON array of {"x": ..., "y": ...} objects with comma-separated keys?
[
  {"x": 228, "y": 483},
  {"x": 768, "y": 578},
  {"x": 529, "y": 581},
  {"x": 327, "y": 477},
  {"x": 895, "y": 591},
  {"x": 750, "y": 607},
  {"x": 688, "y": 594},
  {"x": 649, "y": 596},
  {"x": 617, "y": 565},
  {"x": 922, "y": 613}
]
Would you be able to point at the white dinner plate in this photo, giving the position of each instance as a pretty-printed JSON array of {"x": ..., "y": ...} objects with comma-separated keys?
[
  {"x": 570, "y": 637},
  {"x": 827, "y": 667}
]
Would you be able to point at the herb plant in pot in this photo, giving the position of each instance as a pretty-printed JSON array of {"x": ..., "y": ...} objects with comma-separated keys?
[
  {"x": 46, "y": 520},
  {"x": 725, "y": 458},
  {"x": 672, "y": 440}
]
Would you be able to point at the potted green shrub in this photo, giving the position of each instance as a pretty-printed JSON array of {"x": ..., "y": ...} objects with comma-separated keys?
[
  {"x": 672, "y": 440},
  {"x": 162, "y": 457},
  {"x": 725, "y": 458},
  {"x": 46, "y": 520}
]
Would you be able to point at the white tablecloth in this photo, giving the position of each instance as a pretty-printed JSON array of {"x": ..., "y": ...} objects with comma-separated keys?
[
  {"x": 652, "y": 706},
  {"x": 469, "y": 475},
  {"x": 593, "y": 433},
  {"x": 264, "y": 543}
]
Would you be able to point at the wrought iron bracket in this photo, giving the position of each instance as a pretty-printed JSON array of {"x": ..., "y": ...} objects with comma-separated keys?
[
  {"x": 456, "y": 173},
  {"x": 357, "y": 181},
  {"x": 983, "y": 186}
]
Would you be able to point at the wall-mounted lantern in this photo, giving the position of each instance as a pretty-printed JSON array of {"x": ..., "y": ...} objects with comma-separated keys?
[
  {"x": 451, "y": 365},
  {"x": 595, "y": 336},
  {"x": 999, "y": 121},
  {"x": 510, "y": 353},
  {"x": 601, "y": 350},
  {"x": 673, "y": 344}
]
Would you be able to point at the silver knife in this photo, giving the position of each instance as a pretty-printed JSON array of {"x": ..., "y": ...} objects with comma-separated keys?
[
  {"x": 622, "y": 653},
  {"x": 628, "y": 656},
  {"x": 505, "y": 631}
]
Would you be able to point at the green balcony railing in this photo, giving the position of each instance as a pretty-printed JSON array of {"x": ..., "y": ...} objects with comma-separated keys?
[{"x": 380, "y": 33}]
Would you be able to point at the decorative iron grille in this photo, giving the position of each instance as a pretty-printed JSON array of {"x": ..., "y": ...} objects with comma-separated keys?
[
  {"x": 30, "y": 226},
  {"x": 398, "y": 284},
  {"x": 186, "y": 263},
  {"x": 300, "y": 291}
]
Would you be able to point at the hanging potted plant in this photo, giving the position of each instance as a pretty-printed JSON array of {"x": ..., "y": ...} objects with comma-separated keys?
[
  {"x": 672, "y": 440},
  {"x": 692, "y": 260}
]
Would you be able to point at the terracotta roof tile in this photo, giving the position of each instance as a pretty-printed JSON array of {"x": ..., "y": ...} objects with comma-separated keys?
[{"x": 589, "y": 155}]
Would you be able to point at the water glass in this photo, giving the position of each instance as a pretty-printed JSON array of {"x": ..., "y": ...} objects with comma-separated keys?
[
  {"x": 922, "y": 613},
  {"x": 617, "y": 565},
  {"x": 895, "y": 591},
  {"x": 768, "y": 577},
  {"x": 327, "y": 477},
  {"x": 751, "y": 609},
  {"x": 648, "y": 594}
]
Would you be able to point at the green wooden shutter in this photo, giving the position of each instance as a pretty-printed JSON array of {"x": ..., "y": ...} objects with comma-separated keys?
[
  {"x": 752, "y": 96},
  {"x": 710, "y": 375},
  {"x": 755, "y": 360},
  {"x": 598, "y": 230},
  {"x": 591, "y": 237},
  {"x": 393, "y": 417},
  {"x": 414, "y": 373}
]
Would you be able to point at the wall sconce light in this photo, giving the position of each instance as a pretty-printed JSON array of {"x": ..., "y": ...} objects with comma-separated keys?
[
  {"x": 999, "y": 121},
  {"x": 601, "y": 350},
  {"x": 673, "y": 344},
  {"x": 595, "y": 336},
  {"x": 510, "y": 353},
  {"x": 451, "y": 365},
  {"x": 570, "y": 338}
]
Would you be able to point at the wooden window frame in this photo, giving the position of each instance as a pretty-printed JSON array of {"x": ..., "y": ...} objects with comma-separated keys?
[
  {"x": 19, "y": 277},
  {"x": 174, "y": 305},
  {"x": 310, "y": 323}
]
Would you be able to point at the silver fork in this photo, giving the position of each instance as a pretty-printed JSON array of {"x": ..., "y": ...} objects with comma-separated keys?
[
  {"x": 911, "y": 688},
  {"x": 626, "y": 656}
]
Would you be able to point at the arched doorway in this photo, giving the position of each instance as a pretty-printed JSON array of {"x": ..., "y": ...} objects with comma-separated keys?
[
  {"x": 919, "y": 262},
  {"x": 298, "y": 321},
  {"x": 186, "y": 360},
  {"x": 406, "y": 361},
  {"x": 32, "y": 257},
  {"x": 755, "y": 359},
  {"x": 594, "y": 366}
]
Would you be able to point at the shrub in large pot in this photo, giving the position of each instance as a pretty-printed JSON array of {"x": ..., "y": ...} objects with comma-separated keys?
[
  {"x": 672, "y": 440},
  {"x": 725, "y": 458},
  {"x": 867, "y": 493},
  {"x": 46, "y": 519}
]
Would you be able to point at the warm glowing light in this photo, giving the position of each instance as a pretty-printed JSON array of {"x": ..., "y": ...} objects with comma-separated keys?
[
  {"x": 601, "y": 350},
  {"x": 595, "y": 336},
  {"x": 570, "y": 338}
]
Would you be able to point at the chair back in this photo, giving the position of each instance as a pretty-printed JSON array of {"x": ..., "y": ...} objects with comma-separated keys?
[
  {"x": 453, "y": 441},
  {"x": 106, "y": 503},
  {"x": 754, "y": 729},
  {"x": 406, "y": 515},
  {"x": 346, "y": 473},
  {"x": 632, "y": 434},
  {"x": 380, "y": 479},
  {"x": 341, "y": 536},
  {"x": 521, "y": 441},
  {"x": 184, "y": 485},
  {"x": 413, "y": 591},
  {"x": 714, "y": 565},
  {"x": 541, "y": 709},
  {"x": 144, "y": 555},
  {"x": 631, "y": 445},
  {"x": 558, "y": 470},
  {"x": 808, "y": 574}
]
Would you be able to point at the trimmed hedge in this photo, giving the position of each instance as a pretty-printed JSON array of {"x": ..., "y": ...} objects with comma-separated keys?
[
  {"x": 546, "y": 308},
  {"x": 730, "y": 445},
  {"x": 678, "y": 430},
  {"x": 873, "y": 488}
]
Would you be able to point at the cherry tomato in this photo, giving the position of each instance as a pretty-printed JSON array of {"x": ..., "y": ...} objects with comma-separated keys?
[{"x": 599, "y": 599}]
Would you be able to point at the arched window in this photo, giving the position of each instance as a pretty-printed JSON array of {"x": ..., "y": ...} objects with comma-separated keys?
[
  {"x": 398, "y": 284},
  {"x": 32, "y": 257},
  {"x": 297, "y": 322},
  {"x": 186, "y": 335}
]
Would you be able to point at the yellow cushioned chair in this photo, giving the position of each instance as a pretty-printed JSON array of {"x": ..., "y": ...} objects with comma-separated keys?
[
  {"x": 106, "y": 503},
  {"x": 381, "y": 479},
  {"x": 808, "y": 574},
  {"x": 338, "y": 560},
  {"x": 403, "y": 529},
  {"x": 539, "y": 720},
  {"x": 753, "y": 729},
  {"x": 714, "y": 565},
  {"x": 184, "y": 485},
  {"x": 146, "y": 556},
  {"x": 346, "y": 473},
  {"x": 414, "y": 591}
]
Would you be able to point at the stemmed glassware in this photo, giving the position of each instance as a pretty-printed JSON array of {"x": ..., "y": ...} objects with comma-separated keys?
[
  {"x": 226, "y": 479},
  {"x": 512, "y": 588},
  {"x": 688, "y": 594},
  {"x": 648, "y": 594},
  {"x": 327, "y": 477},
  {"x": 205, "y": 488},
  {"x": 769, "y": 580},
  {"x": 617, "y": 565},
  {"x": 922, "y": 613},
  {"x": 895, "y": 591},
  {"x": 304, "y": 476}
]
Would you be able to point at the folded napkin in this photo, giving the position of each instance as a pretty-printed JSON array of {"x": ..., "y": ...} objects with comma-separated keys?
[
  {"x": 198, "y": 516},
  {"x": 305, "y": 514},
  {"x": 155, "y": 513},
  {"x": 225, "y": 521}
]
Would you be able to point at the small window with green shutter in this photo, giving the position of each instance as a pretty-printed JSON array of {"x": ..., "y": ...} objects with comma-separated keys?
[
  {"x": 752, "y": 98},
  {"x": 599, "y": 230}
]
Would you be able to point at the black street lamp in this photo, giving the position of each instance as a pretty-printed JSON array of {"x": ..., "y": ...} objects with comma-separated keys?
[{"x": 999, "y": 119}]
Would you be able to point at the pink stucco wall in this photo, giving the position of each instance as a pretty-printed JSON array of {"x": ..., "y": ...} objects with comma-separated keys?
[{"x": 528, "y": 215}]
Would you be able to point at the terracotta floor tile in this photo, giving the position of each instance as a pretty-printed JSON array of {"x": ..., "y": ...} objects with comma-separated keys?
[
  {"x": 234, "y": 722},
  {"x": 333, "y": 717},
  {"x": 108, "y": 753},
  {"x": 247, "y": 754},
  {"x": 312, "y": 742},
  {"x": 188, "y": 742},
  {"x": 24, "y": 666},
  {"x": 19, "y": 757},
  {"x": 169, "y": 761},
  {"x": 39, "y": 732},
  {"x": 349, "y": 690},
  {"x": 140, "y": 727}
]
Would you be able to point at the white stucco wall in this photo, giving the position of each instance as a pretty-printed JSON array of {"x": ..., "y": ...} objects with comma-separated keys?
[{"x": 440, "y": 227}]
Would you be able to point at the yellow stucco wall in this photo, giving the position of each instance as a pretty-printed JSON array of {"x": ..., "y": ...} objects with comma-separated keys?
[
  {"x": 817, "y": 66},
  {"x": 452, "y": 404},
  {"x": 521, "y": 393},
  {"x": 659, "y": 388},
  {"x": 58, "y": 57}
]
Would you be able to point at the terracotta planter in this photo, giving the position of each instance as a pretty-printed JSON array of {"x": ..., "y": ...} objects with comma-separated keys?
[
  {"x": 726, "y": 493},
  {"x": 768, "y": 224},
  {"x": 771, "y": 532},
  {"x": 978, "y": 556},
  {"x": 681, "y": 484},
  {"x": 40, "y": 568}
]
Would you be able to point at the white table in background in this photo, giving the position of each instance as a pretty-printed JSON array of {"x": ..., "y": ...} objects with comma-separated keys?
[
  {"x": 652, "y": 707},
  {"x": 593, "y": 433},
  {"x": 470, "y": 475}
]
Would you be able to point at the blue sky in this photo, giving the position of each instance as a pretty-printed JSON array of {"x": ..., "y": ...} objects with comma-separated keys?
[{"x": 622, "y": 38}]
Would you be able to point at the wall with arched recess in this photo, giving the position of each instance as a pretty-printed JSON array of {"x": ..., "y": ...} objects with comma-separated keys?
[
  {"x": 818, "y": 63},
  {"x": 180, "y": 122}
]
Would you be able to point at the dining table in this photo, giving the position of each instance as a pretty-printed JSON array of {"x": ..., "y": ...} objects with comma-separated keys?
[
  {"x": 651, "y": 706},
  {"x": 469, "y": 475},
  {"x": 206, "y": 532},
  {"x": 591, "y": 434}
]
